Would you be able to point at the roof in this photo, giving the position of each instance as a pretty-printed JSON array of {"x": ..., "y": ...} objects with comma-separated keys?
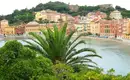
[
  {"x": 4, "y": 20},
  {"x": 33, "y": 23}
]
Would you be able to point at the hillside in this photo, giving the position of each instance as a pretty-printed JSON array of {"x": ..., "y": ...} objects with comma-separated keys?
[{"x": 26, "y": 15}]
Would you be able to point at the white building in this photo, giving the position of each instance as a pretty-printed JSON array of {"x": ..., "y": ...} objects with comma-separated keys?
[{"x": 115, "y": 15}]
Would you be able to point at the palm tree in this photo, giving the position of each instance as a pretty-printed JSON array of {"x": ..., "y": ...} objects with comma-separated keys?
[{"x": 58, "y": 46}]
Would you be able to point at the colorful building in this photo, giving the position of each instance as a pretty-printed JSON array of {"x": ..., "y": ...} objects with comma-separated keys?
[
  {"x": 108, "y": 28},
  {"x": 95, "y": 28},
  {"x": 126, "y": 29},
  {"x": 20, "y": 29},
  {"x": 10, "y": 30},
  {"x": 50, "y": 15},
  {"x": 96, "y": 15},
  {"x": 6, "y": 29},
  {"x": 33, "y": 27},
  {"x": 79, "y": 27}
]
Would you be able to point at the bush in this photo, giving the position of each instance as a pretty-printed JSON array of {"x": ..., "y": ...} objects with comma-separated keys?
[{"x": 20, "y": 63}]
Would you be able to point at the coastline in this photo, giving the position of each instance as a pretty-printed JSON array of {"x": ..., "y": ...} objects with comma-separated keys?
[
  {"x": 106, "y": 39},
  {"x": 83, "y": 37}
]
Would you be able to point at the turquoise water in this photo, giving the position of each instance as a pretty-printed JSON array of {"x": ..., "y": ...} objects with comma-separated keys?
[{"x": 114, "y": 55}]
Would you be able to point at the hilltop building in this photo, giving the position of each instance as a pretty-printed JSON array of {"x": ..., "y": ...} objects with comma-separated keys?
[
  {"x": 51, "y": 16},
  {"x": 74, "y": 8},
  {"x": 105, "y": 6},
  {"x": 115, "y": 15}
]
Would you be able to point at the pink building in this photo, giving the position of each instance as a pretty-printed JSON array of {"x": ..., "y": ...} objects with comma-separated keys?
[
  {"x": 108, "y": 28},
  {"x": 76, "y": 19}
]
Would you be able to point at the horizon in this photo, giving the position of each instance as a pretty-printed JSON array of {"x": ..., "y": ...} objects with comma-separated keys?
[{"x": 29, "y": 4}]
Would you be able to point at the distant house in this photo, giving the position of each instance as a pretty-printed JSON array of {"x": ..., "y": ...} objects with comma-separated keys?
[
  {"x": 50, "y": 15},
  {"x": 108, "y": 28},
  {"x": 74, "y": 8},
  {"x": 32, "y": 27},
  {"x": 6, "y": 29},
  {"x": 115, "y": 15},
  {"x": 96, "y": 16},
  {"x": 105, "y": 6},
  {"x": 20, "y": 29}
]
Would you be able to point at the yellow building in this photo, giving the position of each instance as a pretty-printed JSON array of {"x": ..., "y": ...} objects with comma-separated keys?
[
  {"x": 6, "y": 29},
  {"x": 10, "y": 30},
  {"x": 88, "y": 28},
  {"x": 64, "y": 17},
  {"x": 126, "y": 29},
  {"x": 33, "y": 27},
  {"x": 50, "y": 15},
  {"x": 40, "y": 15},
  {"x": 94, "y": 27},
  {"x": 47, "y": 14}
]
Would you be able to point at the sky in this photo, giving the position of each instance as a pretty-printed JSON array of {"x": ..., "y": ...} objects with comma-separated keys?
[{"x": 8, "y": 6}]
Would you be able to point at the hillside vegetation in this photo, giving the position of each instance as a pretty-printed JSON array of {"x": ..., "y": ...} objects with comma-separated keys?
[{"x": 26, "y": 15}]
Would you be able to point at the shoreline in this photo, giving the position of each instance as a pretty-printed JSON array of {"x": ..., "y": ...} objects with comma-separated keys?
[
  {"x": 83, "y": 37},
  {"x": 106, "y": 39}
]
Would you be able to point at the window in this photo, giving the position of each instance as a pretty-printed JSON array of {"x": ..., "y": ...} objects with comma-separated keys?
[{"x": 107, "y": 31}]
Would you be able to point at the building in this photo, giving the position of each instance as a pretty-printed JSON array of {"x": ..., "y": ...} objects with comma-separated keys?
[
  {"x": 10, "y": 30},
  {"x": 96, "y": 15},
  {"x": 6, "y": 29},
  {"x": 120, "y": 28},
  {"x": 108, "y": 28},
  {"x": 51, "y": 16},
  {"x": 115, "y": 15},
  {"x": 76, "y": 19},
  {"x": 42, "y": 15},
  {"x": 95, "y": 28},
  {"x": 105, "y": 6},
  {"x": 33, "y": 27},
  {"x": 79, "y": 27},
  {"x": 74, "y": 8},
  {"x": 3, "y": 24},
  {"x": 83, "y": 19},
  {"x": 20, "y": 29},
  {"x": 126, "y": 29}
]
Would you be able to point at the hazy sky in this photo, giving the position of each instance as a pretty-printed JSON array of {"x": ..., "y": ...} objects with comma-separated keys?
[{"x": 7, "y": 6}]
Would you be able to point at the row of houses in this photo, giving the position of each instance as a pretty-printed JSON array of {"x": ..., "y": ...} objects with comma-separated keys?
[
  {"x": 52, "y": 16},
  {"x": 32, "y": 26},
  {"x": 94, "y": 22},
  {"x": 106, "y": 28}
]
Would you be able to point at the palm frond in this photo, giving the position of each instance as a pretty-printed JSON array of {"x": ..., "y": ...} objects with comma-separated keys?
[{"x": 80, "y": 51}]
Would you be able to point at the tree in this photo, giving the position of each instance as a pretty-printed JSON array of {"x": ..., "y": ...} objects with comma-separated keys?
[
  {"x": 120, "y": 8},
  {"x": 57, "y": 46},
  {"x": 20, "y": 63}
]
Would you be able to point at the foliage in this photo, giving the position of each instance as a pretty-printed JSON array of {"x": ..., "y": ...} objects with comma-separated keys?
[
  {"x": 20, "y": 63},
  {"x": 26, "y": 15},
  {"x": 66, "y": 72},
  {"x": 126, "y": 14},
  {"x": 56, "y": 45},
  {"x": 120, "y": 8},
  {"x": 20, "y": 16},
  {"x": 63, "y": 71}
]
